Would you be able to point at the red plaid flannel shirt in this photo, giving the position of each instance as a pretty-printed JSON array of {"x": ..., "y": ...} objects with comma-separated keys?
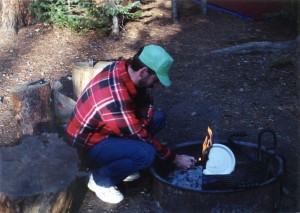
[{"x": 111, "y": 105}]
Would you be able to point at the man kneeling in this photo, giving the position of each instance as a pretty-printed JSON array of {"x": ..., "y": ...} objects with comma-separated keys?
[{"x": 114, "y": 122}]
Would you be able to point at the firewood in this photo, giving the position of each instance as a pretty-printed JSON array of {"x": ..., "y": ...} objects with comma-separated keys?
[{"x": 32, "y": 108}]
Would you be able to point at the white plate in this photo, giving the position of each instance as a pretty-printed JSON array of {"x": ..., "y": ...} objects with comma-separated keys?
[{"x": 221, "y": 160}]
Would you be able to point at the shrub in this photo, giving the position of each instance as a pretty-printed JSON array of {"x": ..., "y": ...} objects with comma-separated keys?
[{"x": 82, "y": 15}]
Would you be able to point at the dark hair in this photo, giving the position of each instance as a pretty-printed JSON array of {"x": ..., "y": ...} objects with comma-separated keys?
[{"x": 137, "y": 64}]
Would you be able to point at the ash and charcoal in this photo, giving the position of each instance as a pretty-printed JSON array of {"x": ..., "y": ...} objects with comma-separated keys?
[{"x": 189, "y": 179}]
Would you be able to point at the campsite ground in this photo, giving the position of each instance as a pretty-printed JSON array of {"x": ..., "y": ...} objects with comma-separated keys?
[{"x": 229, "y": 93}]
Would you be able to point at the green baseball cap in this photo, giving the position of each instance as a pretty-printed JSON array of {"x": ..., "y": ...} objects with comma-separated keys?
[{"x": 158, "y": 60}]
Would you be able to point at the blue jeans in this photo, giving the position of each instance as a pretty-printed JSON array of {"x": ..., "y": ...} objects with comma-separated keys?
[{"x": 113, "y": 159}]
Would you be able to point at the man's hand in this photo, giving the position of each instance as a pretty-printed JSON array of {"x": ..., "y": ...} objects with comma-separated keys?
[{"x": 184, "y": 161}]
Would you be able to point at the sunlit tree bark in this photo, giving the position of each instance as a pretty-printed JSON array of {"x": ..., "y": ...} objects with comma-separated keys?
[
  {"x": 13, "y": 15},
  {"x": 115, "y": 26},
  {"x": 9, "y": 14},
  {"x": 115, "y": 21}
]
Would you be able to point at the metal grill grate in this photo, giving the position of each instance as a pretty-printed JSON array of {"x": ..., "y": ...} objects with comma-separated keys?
[{"x": 245, "y": 175}]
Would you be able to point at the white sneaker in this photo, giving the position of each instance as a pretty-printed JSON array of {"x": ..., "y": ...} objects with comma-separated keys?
[
  {"x": 132, "y": 177},
  {"x": 109, "y": 195}
]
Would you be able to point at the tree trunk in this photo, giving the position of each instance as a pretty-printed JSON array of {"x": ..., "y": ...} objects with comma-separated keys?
[
  {"x": 13, "y": 15},
  {"x": 203, "y": 7},
  {"x": 9, "y": 20},
  {"x": 24, "y": 18},
  {"x": 115, "y": 21},
  {"x": 174, "y": 11},
  {"x": 115, "y": 26}
]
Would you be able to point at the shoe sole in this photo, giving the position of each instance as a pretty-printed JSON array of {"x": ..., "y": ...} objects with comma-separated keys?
[
  {"x": 92, "y": 187},
  {"x": 109, "y": 201}
]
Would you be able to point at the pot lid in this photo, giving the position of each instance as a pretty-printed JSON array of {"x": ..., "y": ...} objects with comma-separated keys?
[{"x": 221, "y": 160}]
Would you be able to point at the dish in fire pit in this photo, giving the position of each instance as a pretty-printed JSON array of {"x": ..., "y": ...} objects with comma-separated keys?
[{"x": 221, "y": 160}]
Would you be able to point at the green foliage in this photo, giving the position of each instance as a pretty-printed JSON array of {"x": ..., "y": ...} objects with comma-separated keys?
[
  {"x": 81, "y": 15},
  {"x": 124, "y": 12}
]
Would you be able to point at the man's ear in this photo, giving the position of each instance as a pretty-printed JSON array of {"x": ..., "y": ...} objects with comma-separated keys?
[{"x": 143, "y": 72}]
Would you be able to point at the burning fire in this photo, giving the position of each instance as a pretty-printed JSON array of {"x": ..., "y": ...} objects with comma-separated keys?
[{"x": 208, "y": 141}]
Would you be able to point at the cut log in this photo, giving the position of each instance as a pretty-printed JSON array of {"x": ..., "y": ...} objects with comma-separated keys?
[
  {"x": 32, "y": 108},
  {"x": 83, "y": 72},
  {"x": 38, "y": 175}
]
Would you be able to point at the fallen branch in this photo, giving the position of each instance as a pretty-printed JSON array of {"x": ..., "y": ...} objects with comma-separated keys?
[{"x": 257, "y": 47}]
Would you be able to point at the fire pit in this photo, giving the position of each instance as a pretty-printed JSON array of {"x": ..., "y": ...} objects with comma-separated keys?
[{"x": 254, "y": 185}]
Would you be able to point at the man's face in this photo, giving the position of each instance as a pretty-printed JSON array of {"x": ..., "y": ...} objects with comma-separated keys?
[{"x": 148, "y": 81}]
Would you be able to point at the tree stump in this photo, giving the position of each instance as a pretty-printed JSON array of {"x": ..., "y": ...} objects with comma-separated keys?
[
  {"x": 38, "y": 175},
  {"x": 83, "y": 72},
  {"x": 32, "y": 108}
]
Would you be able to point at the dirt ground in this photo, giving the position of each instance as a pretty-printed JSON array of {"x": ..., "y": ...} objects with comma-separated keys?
[{"x": 229, "y": 93}]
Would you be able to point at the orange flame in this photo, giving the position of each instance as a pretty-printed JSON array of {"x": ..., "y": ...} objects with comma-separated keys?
[{"x": 208, "y": 141}]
